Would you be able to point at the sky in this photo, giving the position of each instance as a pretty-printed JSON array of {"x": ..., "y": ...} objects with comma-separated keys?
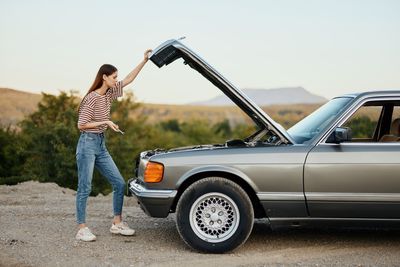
[{"x": 329, "y": 47}]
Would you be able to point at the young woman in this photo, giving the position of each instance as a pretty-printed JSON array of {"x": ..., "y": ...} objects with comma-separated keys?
[{"x": 94, "y": 119}]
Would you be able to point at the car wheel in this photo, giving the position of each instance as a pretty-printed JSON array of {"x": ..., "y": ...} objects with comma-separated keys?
[{"x": 214, "y": 215}]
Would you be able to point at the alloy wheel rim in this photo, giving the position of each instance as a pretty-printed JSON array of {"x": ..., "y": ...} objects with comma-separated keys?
[{"x": 214, "y": 217}]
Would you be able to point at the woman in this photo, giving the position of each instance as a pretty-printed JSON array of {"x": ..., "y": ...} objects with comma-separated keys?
[{"x": 94, "y": 119}]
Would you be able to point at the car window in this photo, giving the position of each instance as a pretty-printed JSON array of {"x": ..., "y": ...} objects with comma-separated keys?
[
  {"x": 306, "y": 129},
  {"x": 363, "y": 122},
  {"x": 375, "y": 121},
  {"x": 396, "y": 113},
  {"x": 395, "y": 122}
]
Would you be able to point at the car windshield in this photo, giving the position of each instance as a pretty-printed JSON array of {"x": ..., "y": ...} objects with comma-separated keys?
[{"x": 317, "y": 121}]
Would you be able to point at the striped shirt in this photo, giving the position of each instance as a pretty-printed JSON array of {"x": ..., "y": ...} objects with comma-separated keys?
[{"x": 96, "y": 107}]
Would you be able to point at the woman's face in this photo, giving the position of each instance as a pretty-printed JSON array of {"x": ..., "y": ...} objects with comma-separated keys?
[{"x": 111, "y": 80}]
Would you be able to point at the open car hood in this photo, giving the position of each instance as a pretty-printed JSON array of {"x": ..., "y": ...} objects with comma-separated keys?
[{"x": 172, "y": 50}]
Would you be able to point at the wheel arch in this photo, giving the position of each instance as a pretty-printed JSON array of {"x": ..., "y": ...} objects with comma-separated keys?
[{"x": 189, "y": 179}]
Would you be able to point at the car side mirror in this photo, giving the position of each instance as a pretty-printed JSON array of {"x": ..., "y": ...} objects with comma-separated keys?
[{"x": 340, "y": 135}]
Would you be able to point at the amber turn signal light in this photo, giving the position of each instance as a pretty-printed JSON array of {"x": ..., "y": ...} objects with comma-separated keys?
[{"x": 154, "y": 172}]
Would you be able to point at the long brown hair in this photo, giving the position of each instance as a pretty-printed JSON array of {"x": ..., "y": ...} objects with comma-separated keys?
[{"x": 106, "y": 69}]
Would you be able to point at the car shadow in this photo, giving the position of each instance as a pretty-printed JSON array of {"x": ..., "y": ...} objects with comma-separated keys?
[
  {"x": 264, "y": 238},
  {"x": 262, "y": 235}
]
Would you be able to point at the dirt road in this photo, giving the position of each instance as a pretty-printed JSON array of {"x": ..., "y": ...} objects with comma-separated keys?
[{"x": 37, "y": 228}]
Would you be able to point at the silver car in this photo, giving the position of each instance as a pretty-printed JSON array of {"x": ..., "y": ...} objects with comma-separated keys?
[{"x": 339, "y": 164}]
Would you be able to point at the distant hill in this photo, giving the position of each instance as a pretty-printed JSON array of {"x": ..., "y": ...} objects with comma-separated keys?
[
  {"x": 15, "y": 105},
  {"x": 266, "y": 97}
]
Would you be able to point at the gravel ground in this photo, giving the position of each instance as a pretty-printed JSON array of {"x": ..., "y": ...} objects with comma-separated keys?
[{"x": 37, "y": 223}]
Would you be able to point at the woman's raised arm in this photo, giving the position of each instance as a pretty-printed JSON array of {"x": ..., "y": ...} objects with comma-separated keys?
[{"x": 132, "y": 75}]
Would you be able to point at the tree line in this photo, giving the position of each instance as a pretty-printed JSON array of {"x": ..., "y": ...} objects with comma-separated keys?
[{"x": 43, "y": 147}]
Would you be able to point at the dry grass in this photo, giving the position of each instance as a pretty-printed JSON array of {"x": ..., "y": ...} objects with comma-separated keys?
[{"x": 286, "y": 115}]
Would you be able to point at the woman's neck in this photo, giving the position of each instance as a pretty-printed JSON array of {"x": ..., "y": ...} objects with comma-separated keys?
[{"x": 102, "y": 90}]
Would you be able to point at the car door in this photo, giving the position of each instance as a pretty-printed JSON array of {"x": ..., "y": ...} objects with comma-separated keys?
[{"x": 359, "y": 178}]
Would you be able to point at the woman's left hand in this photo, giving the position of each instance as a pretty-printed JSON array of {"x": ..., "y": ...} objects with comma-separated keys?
[{"x": 146, "y": 54}]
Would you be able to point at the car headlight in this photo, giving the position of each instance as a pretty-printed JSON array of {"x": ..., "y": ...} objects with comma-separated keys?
[{"x": 153, "y": 172}]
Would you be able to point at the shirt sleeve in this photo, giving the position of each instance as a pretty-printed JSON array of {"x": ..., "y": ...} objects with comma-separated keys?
[
  {"x": 117, "y": 90},
  {"x": 86, "y": 111}
]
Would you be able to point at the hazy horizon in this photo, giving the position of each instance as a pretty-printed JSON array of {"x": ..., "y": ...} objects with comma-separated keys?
[{"x": 327, "y": 47}]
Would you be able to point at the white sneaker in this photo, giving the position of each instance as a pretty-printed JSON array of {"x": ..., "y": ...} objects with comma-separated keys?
[
  {"x": 84, "y": 234},
  {"x": 121, "y": 228}
]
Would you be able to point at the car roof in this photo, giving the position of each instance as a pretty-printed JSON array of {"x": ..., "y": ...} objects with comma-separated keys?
[{"x": 373, "y": 93}]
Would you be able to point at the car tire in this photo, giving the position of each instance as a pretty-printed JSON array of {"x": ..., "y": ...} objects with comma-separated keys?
[{"x": 214, "y": 215}]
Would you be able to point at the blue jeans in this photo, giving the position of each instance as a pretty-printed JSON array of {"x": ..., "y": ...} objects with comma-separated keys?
[{"x": 92, "y": 152}]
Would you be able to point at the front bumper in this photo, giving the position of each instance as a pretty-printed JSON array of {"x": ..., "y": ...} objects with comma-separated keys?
[{"x": 155, "y": 203}]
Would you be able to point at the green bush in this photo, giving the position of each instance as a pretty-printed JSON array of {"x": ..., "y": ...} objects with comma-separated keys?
[{"x": 12, "y": 154}]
